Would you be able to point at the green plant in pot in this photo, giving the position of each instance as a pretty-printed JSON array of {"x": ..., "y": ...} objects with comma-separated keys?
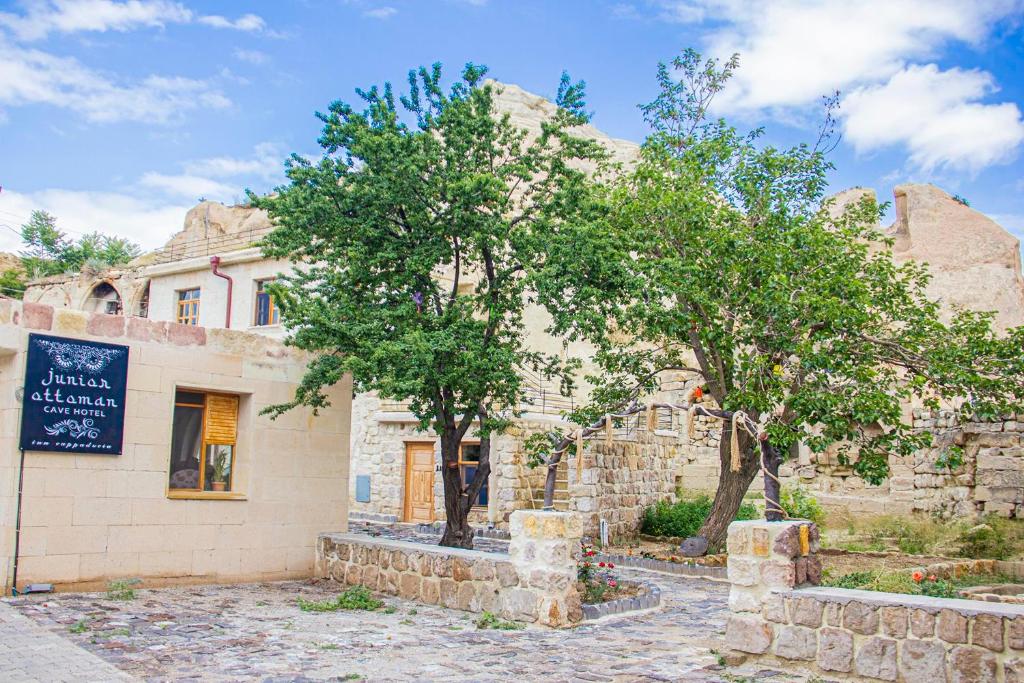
[{"x": 220, "y": 469}]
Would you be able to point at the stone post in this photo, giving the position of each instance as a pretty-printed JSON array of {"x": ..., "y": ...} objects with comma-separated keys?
[
  {"x": 545, "y": 549},
  {"x": 765, "y": 560}
]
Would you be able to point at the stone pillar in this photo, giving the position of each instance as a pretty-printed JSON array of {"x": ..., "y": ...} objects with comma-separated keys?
[
  {"x": 545, "y": 549},
  {"x": 765, "y": 560}
]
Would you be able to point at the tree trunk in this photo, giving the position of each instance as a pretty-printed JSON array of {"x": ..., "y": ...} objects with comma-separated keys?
[
  {"x": 457, "y": 532},
  {"x": 772, "y": 460},
  {"x": 459, "y": 500},
  {"x": 732, "y": 486}
]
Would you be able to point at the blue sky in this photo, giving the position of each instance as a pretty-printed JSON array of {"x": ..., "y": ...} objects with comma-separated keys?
[{"x": 118, "y": 115}]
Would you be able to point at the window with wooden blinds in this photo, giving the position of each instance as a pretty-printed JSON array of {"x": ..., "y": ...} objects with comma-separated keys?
[
  {"x": 204, "y": 436},
  {"x": 221, "y": 419}
]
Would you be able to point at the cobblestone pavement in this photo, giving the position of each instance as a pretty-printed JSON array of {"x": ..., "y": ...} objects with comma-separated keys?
[
  {"x": 255, "y": 632},
  {"x": 30, "y": 652}
]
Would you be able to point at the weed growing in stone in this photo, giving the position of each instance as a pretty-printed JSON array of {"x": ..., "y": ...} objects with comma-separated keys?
[
  {"x": 79, "y": 626},
  {"x": 493, "y": 621},
  {"x": 354, "y": 597},
  {"x": 122, "y": 589}
]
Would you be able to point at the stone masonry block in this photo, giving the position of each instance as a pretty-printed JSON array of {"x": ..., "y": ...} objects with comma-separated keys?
[
  {"x": 894, "y": 621},
  {"x": 748, "y": 634},
  {"x": 987, "y": 632},
  {"x": 835, "y": 649},
  {"x": 807, "y": 612},
  {"x": 972, "y": 665},
  {"x": 877, "y": 659},
  {"x": 922, "y": 623},
  {"x": 796, "y": 642},
  {"x": 860, "y": 618},
  {"x": 952, "y": 626},
  {"x": 923, "y": 660}
]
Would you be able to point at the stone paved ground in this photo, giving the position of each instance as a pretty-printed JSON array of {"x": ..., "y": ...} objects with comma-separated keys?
[
  {"x": 30, "y": 652},
  {"x": 255, "y": 632}
]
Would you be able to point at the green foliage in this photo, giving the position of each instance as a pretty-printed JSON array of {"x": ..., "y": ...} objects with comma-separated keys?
[
  {"x": 800, "y": 504},
  {"x": 489, "y": 620},
  {"x": 938, "y": 588},
  {"x": 49, "y": 252},
  {"x": 12, "y": 283},
  {"x": 122, "y": 589},
  {"x": 80, "y": 626},
  {"x": 353, "y": 598},
  {"x": 684, "y": 518},
  {"x": 722, "y": 248},
  {"x": 985, "y": 541},
  {"x": 416, "y": 238},
  {"x": 875, "y": 580}
]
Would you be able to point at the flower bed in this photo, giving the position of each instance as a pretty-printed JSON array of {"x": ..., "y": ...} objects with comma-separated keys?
[{"x": 603, "y": 593}]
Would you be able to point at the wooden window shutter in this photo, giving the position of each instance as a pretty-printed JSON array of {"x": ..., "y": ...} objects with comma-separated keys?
[{"x": 221, "y": 419}]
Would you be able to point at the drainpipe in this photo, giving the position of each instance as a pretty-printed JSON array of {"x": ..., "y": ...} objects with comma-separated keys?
[{"x": 214, "y": 265}]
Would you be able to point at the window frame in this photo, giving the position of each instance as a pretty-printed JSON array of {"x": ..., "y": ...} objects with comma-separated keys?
[
  {"x": 274, "y": 313},
  {"x": 462, "y": 463},
  {"x": 184, "y": 303},
  {"x": 201, "y": 493}
]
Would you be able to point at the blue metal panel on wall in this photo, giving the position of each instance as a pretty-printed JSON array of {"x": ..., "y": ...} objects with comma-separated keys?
[{"x": 362, "y": 488}]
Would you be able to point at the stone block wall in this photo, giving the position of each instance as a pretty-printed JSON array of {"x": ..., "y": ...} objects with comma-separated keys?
[
  {"x": 535, "y": 582},
  {"x": 622, "y": 479},
  {"x": 780, "y": 617}
]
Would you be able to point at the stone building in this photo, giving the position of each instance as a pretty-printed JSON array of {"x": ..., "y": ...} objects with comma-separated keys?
[{"x": 199, "y": 486}]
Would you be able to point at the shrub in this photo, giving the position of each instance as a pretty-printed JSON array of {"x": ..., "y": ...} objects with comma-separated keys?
[
  {"x": 354, "y": 597},
  {"x": 798, "y": 503},
  {"x": 984, "y": 541},
  {"x": 684, "y": 518}
]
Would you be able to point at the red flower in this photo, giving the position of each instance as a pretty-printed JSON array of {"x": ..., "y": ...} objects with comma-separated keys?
[
  {"x": 600, "y": 564},
  {"x": 932, "y": 577},
  {"x": 917, "y": 576},
  {"x": 611, "y": 566},
  {"x": 612, "y": 584}
]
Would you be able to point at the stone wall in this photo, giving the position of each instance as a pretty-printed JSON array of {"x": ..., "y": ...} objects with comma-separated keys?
[
  {"x": 622, "y": 479},
  {"x": 990, "y": 480},
  {"x": 89, "y": 518},
  {"x": 778, "y": 616},
  {"x": 535, "y": 582}
]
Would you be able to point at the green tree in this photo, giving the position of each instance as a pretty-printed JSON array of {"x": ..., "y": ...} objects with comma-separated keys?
[
  {"x": 48, "y": 251},
  {"x": 721, "y": 260},
  {"x": 43, "y": 244},
  {"x": 416, "y": 238}
]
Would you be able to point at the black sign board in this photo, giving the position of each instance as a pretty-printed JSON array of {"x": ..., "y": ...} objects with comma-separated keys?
[{"x": 74, "y": 396}]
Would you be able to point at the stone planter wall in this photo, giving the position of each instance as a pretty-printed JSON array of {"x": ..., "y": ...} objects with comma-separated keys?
[
  {"x": 780, "y": 616},
  {"x": 534, "y": 582}
]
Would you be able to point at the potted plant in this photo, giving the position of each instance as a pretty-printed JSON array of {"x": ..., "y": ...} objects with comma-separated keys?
[{"x": 220, "y": 465}]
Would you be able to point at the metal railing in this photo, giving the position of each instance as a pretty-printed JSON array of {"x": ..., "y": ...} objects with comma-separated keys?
[{"x": 210, "y": 246}]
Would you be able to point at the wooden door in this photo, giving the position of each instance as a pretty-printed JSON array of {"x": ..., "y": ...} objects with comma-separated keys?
[{"x": 419, "y": 482}]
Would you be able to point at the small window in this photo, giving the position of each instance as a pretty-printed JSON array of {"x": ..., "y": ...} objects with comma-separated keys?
[
  {"x": 188, "y": 306},
  {"x": 203, "y": 440},
  {"x": 469, "y": 460},
  {"x": 266, "y": 308}
]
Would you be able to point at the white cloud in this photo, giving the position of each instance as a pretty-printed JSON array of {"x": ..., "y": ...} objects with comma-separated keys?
[
  {"x": 149, "y": 222},
  {"x": 251, "y": 56},
  {"x": 221, "y": 178},
  {"x": 380, "y": 12},
  {"x": 246, "y": 22},
  {"x": 189, "y": 186},
  {"x": 73, "y": 16},
  {"x": 30, "y": 76},
  {"x": 935, "y": 115},
  {"x": 792, "y": 52}
]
